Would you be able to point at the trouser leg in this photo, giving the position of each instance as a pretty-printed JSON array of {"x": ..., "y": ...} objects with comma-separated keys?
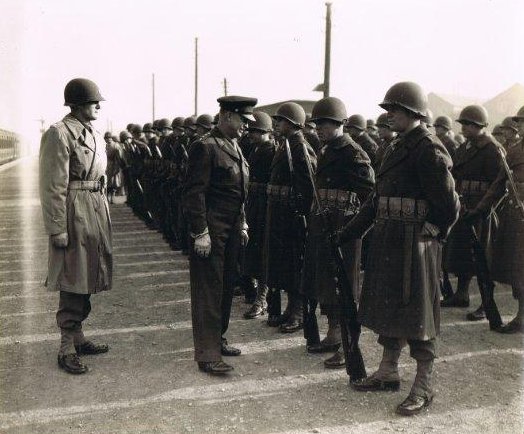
[
  {"x": 333, "y": 335},
  {"x": 463, "y": 286},
  {"x": 424, "y": 353},
  {"x": 388, "y": 368},
  {"x": 72, "y": 310},
  {"x": 231, "y": 255}
]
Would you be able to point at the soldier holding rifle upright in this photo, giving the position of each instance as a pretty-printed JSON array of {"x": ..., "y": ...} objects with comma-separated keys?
[
  {"x": 412, "y": 208},
  {"x": 508, "y": 243},
  {"x": 344, "y": 179}
]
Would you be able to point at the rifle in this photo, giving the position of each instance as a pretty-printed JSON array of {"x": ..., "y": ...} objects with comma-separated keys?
[
  {"x": 486, "y": 285},
  {"x": 512, "y": 186},
  {"x": 309, "y": 306},
  {"x": 349, "y": 325}
]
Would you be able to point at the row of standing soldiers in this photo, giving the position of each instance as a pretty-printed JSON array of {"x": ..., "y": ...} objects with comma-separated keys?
[{"x": 287, "y": 163}]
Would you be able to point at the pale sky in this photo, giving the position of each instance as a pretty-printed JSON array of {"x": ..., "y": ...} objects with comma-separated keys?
[{"x": 270, "y": 49}]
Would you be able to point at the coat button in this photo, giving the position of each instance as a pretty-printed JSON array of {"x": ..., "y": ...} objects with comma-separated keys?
[{"x": 86, "y": 152}]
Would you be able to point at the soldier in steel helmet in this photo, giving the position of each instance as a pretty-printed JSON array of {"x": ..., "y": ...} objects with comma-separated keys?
[
  {"x": 310, "y": 134},
  {"x": 499, "y": 135},
  {"x": 386, "y": 136},
  {"x": 213, "y": 201},
  {"x": 412, "y": 208},
  {"x": 476, "y": 166},
  {"x": 443, "y": 130},
  {"x": 260, "y": 159},
  {"x": 76, "y": 217},
  {"x": 203, "y": 125},
  {"x": 344, "y": 178},
  {"x": 289, "y": 199},
  {"x": 170, "y": 134},
  {"x": 372, "y": 130},
  {"x": 114, "y": 166},
  {"x": 356, "y": 128},
  {"x": 508, "y": 244},
  {"x": 510, "y": 129}
]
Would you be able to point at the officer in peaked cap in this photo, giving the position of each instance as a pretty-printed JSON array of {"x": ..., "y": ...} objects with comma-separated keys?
[{"x": 213, "y": 202}]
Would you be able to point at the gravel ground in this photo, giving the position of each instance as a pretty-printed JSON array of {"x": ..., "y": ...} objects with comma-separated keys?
[{"x": 148, "y": 382}]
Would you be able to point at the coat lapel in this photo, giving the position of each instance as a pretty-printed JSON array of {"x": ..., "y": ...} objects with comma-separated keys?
[{"x": 402, "y": 148}]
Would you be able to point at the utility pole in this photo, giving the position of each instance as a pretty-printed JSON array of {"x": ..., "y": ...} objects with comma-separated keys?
[
  {"x": 196, "y": 76},
  {"x": 324, "y": 87},
  {"x": 225, "y": 86},
  {"x": 327, "y": 58},
  {"x": 153, "y": 95}
]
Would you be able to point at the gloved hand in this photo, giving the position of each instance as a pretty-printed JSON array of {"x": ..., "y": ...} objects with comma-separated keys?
[
  {"x": 429, "y": 230},
  {"x": 60, "y": 240},
  {"x": 203, "y": 245},
  {"x": 471, "y": 216},
  {"x": 244, "y": 237}
]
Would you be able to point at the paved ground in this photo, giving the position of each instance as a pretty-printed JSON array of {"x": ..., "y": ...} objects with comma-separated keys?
[{"x": 148, "y": 382}]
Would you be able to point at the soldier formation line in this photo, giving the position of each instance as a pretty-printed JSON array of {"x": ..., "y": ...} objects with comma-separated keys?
[{"x": 299, "y": 204}]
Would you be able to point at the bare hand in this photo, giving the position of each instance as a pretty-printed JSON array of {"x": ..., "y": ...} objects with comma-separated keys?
[
  {"x": 60, "y": 240},
  {"x": 203, "y": 245}
]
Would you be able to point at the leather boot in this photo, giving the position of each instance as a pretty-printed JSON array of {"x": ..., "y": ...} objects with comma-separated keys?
[
  {"x": 332, "y": 340},
  {"x": 461, "y": 297},
  {"x": 295, "y": 320},
  {"x": 477, "y": 315},
  {"x": 386, "y": 377},
  {"x": 421, "y": 394}
]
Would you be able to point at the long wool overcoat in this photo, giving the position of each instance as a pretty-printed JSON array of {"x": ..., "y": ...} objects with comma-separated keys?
[
  {"x": 69, "y": 151},
  {"x": 400, "y": 295}
]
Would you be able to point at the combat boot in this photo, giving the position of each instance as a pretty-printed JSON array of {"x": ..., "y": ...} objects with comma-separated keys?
[
  {"x": 421, "y": 394},
  {"x": 477, "y": 315},
  {"x": 332, "y": 340},
  {"x": 71, "y": 364},
  {"x": 295, "y": 320},
  {"x": 386, "y": 377}
]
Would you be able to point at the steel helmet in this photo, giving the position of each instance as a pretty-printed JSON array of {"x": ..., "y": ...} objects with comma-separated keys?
[
  {"x": 190, "y": 122},
  {"x": 107, "y": 134},
  {"x": 330, "y": 108},
  {"x": 136, "y": 129},
  {"x": 125, "y": 135},
  {"x": 147, "y": 128},
  {"x": 164, "y": 123},
  {"x": 444, "y": 122},
  {"x": 382, "y": 121},
  {"x": 520, "y": 115},
  {"x": 81, "y": 91},
  {"x": 262, "y": 122},
  {"x": 205, "y": 121},
  {"x": 292, "y": 112},
  {"x": 408, "y": 95},
  {"x": 475, "y": 114},
  {"x": 178, "y": 123},
  {"x": 509, "y": 123},
  {"x": 357, "y": 121}
]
